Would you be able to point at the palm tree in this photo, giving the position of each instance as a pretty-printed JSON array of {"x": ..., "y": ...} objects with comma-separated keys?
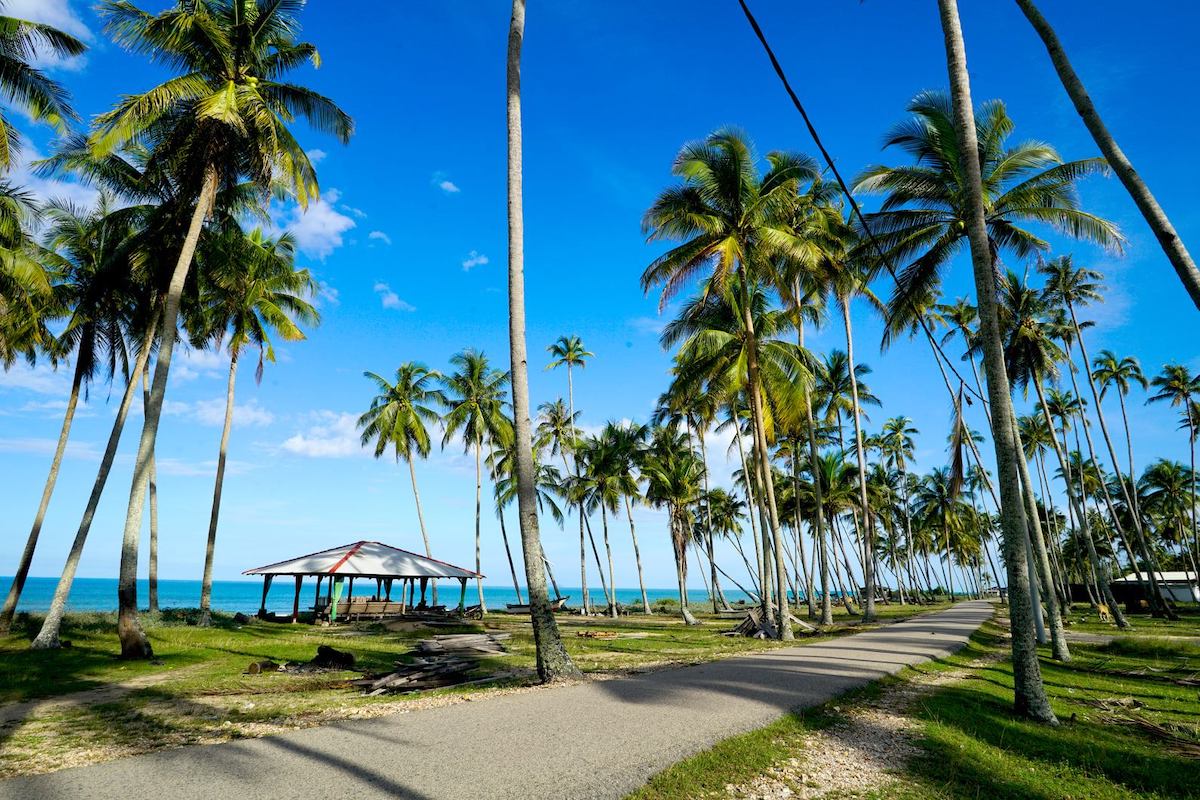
[
  {"x": 896, "y": 442},
  {"x": 599, "y": 488},
  {"x": 625, "y": 443},
  {"x": 552, "y": 659},
  {"x": 734, "y": 224},
  {"x": 26, "y": 86},
  {"x": 250, "y": 291},
  {"x": 569, "y": 351},
  {"x": 673, "y": 471},
  {"x": 1177, "y": 385},
  {"x": 1110, "y": 371},
  {"x": 1154, "y": 215},
  {"x": 223, "y": 115},
  {"x": 548, "y": 483},
  {"x": 397, "y": 420},
  {"x": 475, "y": 398},
  {"x": 90, "y": 254},
  {"x": 964, "y": 161}
]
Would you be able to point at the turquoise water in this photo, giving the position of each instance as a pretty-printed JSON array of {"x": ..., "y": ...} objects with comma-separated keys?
[{"x": 100, "y": 594}]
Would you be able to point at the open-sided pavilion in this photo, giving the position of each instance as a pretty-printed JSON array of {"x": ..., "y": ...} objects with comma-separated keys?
[{"x": 340, "y": 567}]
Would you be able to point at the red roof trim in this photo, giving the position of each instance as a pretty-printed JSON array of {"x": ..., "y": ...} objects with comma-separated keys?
[{"x": 346, "y": 557}]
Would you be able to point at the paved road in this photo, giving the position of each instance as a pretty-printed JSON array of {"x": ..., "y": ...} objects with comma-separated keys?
[{"x": 592, "y": 740}]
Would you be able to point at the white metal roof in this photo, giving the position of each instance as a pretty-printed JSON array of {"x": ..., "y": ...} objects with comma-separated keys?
[
  {"x": 1178, "y": 576},
  {"x": 366, "y": 559}
]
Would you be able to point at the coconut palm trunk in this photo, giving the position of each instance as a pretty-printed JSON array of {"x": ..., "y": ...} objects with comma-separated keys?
[
  {"x": 48, "y": 636},
  {"x": 756, "y": 411},
  {"x": 479, "y": 521},
  {"x": 22, "y": 571},
  {"x": 134, "y": 643},
  {"x": 821, "y": 545},
  {"x": 612, "y": 609},
  {"x": 1041, "y": 558},
  {"x": 553, "y": 663},
  {"x": 679, "y": 545},
  {"x": 412, "y": 474},
  {"x": 1080, "y": 509},
  {"x": 218, "y": 486},
  {"x": 1029, "y": 692},
  {"x": 1157, "y": 601},
  {"x": 1154, "y": 215},
  {"x": 508, "y": 552},
  {"x": 637, "y": 556},
  {"x": 718, "y": 597},
  {"x": 860, "y": 452},
  {"x": 152, "y": 492}
]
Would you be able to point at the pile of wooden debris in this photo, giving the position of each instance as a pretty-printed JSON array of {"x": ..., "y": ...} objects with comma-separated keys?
[
  {"x": 444, "y": 660},
  {"x": 327, "y": 659}
]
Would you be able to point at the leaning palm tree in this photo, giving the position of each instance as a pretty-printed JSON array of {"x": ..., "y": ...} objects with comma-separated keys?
[
  {"x": 397, "y": 420},
  {"x": 625, "y": 443},
  {"x": 251, "y": 291},
  {"x": 90, "y": 254},
  {"x": 221, "y": 117},
  {"x": 475, "y": 396},
  {"x": 26, "y": 86},
  {"x": 734, "y": 224},
  {"x": 1110, "y": 371},
  {"x": 961, "y": 167},
  {"x": 673, "y": 473},
  {"x": 552, "y": 659},
  {"x": 1178, "y": 386},
  {"x": 1156, "y": 218}
]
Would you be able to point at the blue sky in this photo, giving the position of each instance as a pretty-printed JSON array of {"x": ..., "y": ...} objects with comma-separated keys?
[{"x": 408, "y": 242}]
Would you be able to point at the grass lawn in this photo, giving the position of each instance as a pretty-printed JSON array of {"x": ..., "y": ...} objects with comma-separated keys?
[
  {"x": 196, "y": 690},
  {"x": 1082, "y": 618},
  {"x": 971, "y": 746}
]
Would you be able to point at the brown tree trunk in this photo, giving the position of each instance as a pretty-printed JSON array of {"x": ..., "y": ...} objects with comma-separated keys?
[
  {"x": 1155, "y": 217},
  {"x": 637, "y": 556},
  {"x": 47, "y": 637},
  {"x": 412, "y": 474},
  {"x": 868, "y": 528},
  {"x": 134, "y": 643},
  {"x": 1029, "y": 692},
  {"x": 152, "y": 491},
  {"x": 22, "y": 571},
  {"x": 553, "y": 663},
  {"x": 218, "y": 486}
]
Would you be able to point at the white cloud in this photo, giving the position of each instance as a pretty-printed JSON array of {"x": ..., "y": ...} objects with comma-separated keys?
[
  {"x": 189, "y": 364},
  {"x": 358, "y": 212},
  {"x": 59, "y": 14},
  {"x": 390, "y": 299},
  {"x": 44, "y": 189},
  {"x": 651, "y": 325},
  {"x": 316, "y": 155},
  {"x": 199, "y": 469},
  {"x": 45, "y": 447},
  {"x": 40, "y": 379},
  {"x": 318, "y": 230},
  {"x": 380, "y": 236},
  {"x": 212, "y": 412},
  {"x": 474, "y": 259},
  {"x": 444, "y": 183},
  {"x": 333, "y": 434},
  {"x": 328, "y": 293}
]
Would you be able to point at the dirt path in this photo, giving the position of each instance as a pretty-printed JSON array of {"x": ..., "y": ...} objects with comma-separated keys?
[{"x": 14, "y": 713}]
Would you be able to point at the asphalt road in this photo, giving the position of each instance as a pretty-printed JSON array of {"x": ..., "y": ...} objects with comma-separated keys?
[{"x": 593, "y": 740}]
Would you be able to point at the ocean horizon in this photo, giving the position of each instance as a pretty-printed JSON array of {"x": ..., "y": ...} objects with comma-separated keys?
[{"x": 100, "y": 594}]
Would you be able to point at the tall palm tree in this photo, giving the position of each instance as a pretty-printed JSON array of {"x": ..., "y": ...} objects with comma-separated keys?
[
  {"x": 1156, "y": 218},
  {"x": 221, "y": 116},
  {"x": 24, "y": 85},
  {"x": 733, "y": 223},
  {"x": 896, "y": 442},
  {"x": 90, "y": 255},
  {"x": 1178, "y": 386},
  {"x": 475, "y": 396},
  {"x": 625, "y": 442},
  {"x": 600, "y": 488},
  {"x": 673, "y": 472},
  {"x": 552, "y": 659},
  {"x": 251, "y": 291},
  {"x": 964, "y": 163},
  {"x": 398, "y": 420},
  {"x": 569, "y": 351},
  {"x": 548, "y": 484},
  {"x": 1122, "y": 373}
]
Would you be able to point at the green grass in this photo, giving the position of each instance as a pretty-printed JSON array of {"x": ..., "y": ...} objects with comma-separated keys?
[
  {"x": 1082, "y": 618},
  {"x": 973, "y": 747},
  {"x": 195, "y": 690}
]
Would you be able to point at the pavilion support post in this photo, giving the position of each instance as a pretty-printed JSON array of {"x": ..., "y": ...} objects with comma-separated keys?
[
  {"x": 462, "y": 596},
  {"x": 387, "y": 588},
  {"x": 262, "y": 608},
  {"x": 296, "y": 601},
  {"x": 424, "y": 586},
  {"x": 403, "y": 597},
  {"x": 412, "y": 591},
  {"x": 350, "y": 591},
  {"x": 317, "y": 597},
  {"x": 379, "y": 588}
]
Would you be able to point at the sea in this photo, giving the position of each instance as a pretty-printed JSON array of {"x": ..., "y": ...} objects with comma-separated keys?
[{"x": 100, "y": 594}]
